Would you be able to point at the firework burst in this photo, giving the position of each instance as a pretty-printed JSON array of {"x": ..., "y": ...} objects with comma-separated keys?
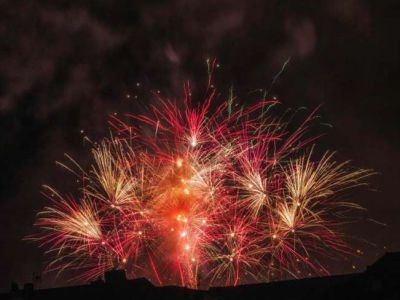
[{"x": 202, "y": 196}]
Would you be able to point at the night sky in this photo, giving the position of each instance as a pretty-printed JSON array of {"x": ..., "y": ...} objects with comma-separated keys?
[{"x": 66, "y": 65}]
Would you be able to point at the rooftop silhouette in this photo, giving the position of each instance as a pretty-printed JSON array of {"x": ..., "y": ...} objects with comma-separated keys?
[{"x": 379, "y": 281}]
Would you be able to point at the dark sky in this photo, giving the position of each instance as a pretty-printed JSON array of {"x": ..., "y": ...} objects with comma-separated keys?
[{"x": 67, "y": 65}]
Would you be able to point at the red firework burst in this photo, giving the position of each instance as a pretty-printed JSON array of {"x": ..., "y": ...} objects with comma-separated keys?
[{"x": 199, "y": 196}]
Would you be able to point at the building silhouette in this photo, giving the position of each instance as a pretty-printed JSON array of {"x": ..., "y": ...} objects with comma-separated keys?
[{"x": 379, "y": 281}]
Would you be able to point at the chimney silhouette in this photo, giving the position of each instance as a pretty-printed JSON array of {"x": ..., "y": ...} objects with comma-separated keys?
[{"x": 115, "y": 277}]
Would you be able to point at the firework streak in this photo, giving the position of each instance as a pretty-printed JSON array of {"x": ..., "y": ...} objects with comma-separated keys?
[{"x": 198, "y": 196}]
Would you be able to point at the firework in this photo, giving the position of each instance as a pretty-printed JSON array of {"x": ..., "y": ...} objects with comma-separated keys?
[{"x": 200, "y": 196}]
